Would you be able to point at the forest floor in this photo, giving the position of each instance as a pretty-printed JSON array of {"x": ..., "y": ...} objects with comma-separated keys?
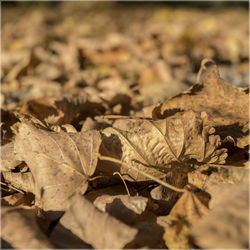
[{"x": 125, "y": 125}]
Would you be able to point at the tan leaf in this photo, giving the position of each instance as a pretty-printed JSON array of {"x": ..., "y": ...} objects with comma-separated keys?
[
  {"x": 95, "y": 227},
  {"x": 187, "y": 211},
  {"x": 227, "y": 225},
  {"x": 8, "y": 158},
  {"x": 59, "y": 162},
  {"x": 153, "y": 146},
  {"x": 21, "y": 231},
  {"x": 226, "y": 106}
]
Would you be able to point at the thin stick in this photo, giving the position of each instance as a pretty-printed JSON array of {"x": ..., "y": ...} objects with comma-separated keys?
[
  {"x": 12, "y": 187},
  {"x": 106, "y": 158},
  {"x": 123, "y": 182}
]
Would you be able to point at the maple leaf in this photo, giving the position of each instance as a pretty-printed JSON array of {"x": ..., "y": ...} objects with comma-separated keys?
[
  {"x": 152, "y": 146},
  {"x": 60, "y": 163}
]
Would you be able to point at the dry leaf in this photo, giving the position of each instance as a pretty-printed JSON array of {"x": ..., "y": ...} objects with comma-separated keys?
[
  {"x": 21, "y": 231},
  {"x": 227, "y": 225},
  {"x": 108, "y": 57},
  {"x": 187, "y": 211},
  {"x": 153, "y": 146},
  {"x": 95, "y": 227},
  {"x": 60, "y": 163},
  {"x": 226, "y": 106},
  {"x": 22, "y": 181},
  {"x": 227, "y": 174},
  {"x": 63, "y": 238},
  {"x": 123, "y": 207},
  {"x": 67, "y": 110},
  {"x": 18, "y": 199},
  {"x": 8, "y": 158}
]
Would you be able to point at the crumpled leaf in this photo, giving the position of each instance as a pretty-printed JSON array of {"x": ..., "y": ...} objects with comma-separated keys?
[
  {"x": 20, "y": 229},
  {"x": 152, "y": 146},
  {"x": 226, "y": 106},
  {"x": 187, "y": 211},
  {"x": 227, "y": 225},
  {"x": 60, "y": 163},
  {"x": 95, "y": 227}
]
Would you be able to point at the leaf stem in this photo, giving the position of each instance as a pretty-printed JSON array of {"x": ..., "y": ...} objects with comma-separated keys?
[
  {"x": 163, "y": 183},
  {"x": 125, "y": 184}
]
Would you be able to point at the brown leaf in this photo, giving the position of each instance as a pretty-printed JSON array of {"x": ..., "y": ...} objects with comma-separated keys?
[
  {"x": 226, "y": 106},
  {"x": 18, "y": 199},
  {"x": 187, "y": 211},
  {"x": 227, "y": 225},
  {"x": 95, "y": 227},
  {"x": 153, "y": 146},
  {"x": 67, "y": 110},
  {"x": 60, "y": 163},
  {"x": 123, "y": 207},
  {"x": 63, "y": 238},
  {"x": 108, "y": 57},
  {"x": 24, "y": 67},
  {"x": 227, "y": 174},
  {"x": 20, "y": 229}
]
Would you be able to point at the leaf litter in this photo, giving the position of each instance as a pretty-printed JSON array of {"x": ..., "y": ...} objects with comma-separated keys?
[{"x": 114, "y": 140}]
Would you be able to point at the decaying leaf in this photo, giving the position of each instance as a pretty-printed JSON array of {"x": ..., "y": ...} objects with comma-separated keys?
[
  {"x": 187, "y": 211},
  {"x": 226, "y": 106},
  {"x": 60, "y": 163},
  {"x": 20, "y": 229},
  {"x": 153, "y": 146},
  {"x": 227, "y": 225},
  {"x": 98, "y": 229}
]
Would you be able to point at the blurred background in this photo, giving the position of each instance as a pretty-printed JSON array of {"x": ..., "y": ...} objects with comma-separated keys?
[{"x": 142, "y": 53}]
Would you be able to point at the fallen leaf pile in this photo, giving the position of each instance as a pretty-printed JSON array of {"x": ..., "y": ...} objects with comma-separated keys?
[{"x": 109, "y": 140}]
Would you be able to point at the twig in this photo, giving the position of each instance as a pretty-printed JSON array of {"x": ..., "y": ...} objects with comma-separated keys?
[
  {"x": 12, "y": 187},
  {"x": 165, "y": 184}
]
